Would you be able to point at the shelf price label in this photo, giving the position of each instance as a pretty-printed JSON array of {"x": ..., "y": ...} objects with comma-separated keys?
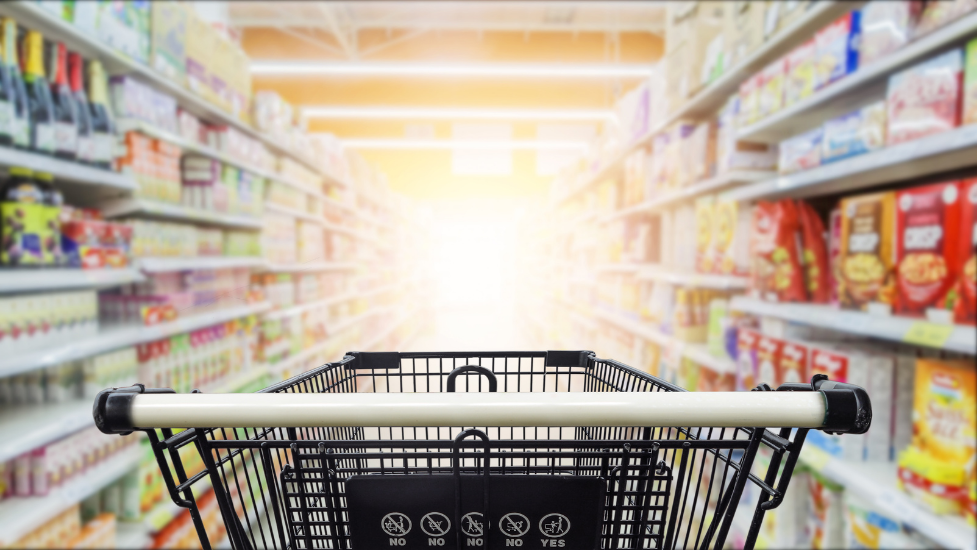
[{"x": 928, "y": 334}]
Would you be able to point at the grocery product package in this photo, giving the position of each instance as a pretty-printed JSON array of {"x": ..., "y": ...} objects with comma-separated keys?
[
  {"x": 746, "y": 361},
  {"x": 814, "y": 256},
  {"x": 868, "y": 528},
  {"x": 768, "y": 353},
  {"x": 886, "y": 27},
  {"x": 927, "y": 227},
  {"x": 733, "y": 154},
  {"x": 742, "y": 29},
  {"x": 169, "y": 36},
  {"x": 855, "y": 133},
  {"x": 970, "y": 84},
  {"x": 793, "y": 366},
  {"x": 731, "y": 237},
  {"x": 801, "y": 73},
  {"x": 826, "y": 519},
  {"x": 705, "y": 251},
  {"x": 937, "y": 14},
  {"x": 776, "y": 274},
  {"x": 801, "y": 152},
  {"x": 771, "y": 98},
  {"x": 867, "y": 253},
  {"x": 837, "y": 48},
  {"x": 965, "y": 309},
  {"x": 924, "y": 99}
]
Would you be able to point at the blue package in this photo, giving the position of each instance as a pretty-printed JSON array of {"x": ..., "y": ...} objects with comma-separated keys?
[
  {"x": 837, "y": 48},
  {"x": 854, "y": 134}
]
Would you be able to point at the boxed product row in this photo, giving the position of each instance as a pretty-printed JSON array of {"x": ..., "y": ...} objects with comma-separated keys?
[
  {"x": 286, "y": 240},
  {"x": 49, "y": 467},
  {"x": 932, "y": 97},
  {"x": 71, "y": 380},
  {"x": 39, "y": 230},
  {"x": 165, "y": 239},
  {"x": 65, "y": 530},
  {"x": 33, "y": 321},
  {"x": 46, "y": 105},
  {"x": 855, "y": 40},
  {"x": 907, "y": 252},
  {"x": 286, "y": 290}
]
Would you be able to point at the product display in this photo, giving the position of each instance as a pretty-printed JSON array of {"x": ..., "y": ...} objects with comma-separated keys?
[{"x": 924, "y": 99}]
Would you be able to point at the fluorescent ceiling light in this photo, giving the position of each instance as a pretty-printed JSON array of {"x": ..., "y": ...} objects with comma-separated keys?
[
  {"x": 337, "y": 112},
  {"x": 520, "y": 70},
  {"x": 529, "y": 144}
]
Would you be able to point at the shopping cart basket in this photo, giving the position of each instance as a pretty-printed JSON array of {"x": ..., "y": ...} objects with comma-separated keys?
[{"x": 553, "y": 449}]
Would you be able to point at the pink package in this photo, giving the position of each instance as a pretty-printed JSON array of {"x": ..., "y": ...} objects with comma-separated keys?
[
  {"x": 886, "y": 27},
  {"x": 925, "y": 99}
]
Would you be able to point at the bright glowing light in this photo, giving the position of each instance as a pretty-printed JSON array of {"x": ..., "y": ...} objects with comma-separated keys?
[
  {"x": 353, "y": 112},
  {"x": 461, "y": 144},
  {"x": 520, "y": 70}
]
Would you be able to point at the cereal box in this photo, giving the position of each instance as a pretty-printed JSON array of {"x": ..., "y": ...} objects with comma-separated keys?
[
  {"x": 746, "y": 361},
  {"x": 886, "y": 27},
  {"x": 855, "y": 133},
  {"x": 705, "y": 253},
  {"x": 801, "y": 80},
  {"x": 937, "y": 14},
  {"x": 965, "y": 308},
  {"x": 927, "y": 222},
  {"x": 749, "y": 108},
  {"x": 768, "y": 352},
  {"x": 837, "y": 48},
  {"x": 793, "y": 363},
  {"x": 970, "y": 84},
  {"x": 771, "y": 97},
  {"x": 925, "y": 99},
  {"x": 731, "y": 231},
  {"x": 801, "y": 152},
  {"x": 867, "y": 254}
]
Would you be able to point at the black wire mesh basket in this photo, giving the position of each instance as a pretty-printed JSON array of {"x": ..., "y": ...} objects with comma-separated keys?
[{"x": 477, "y": 486}]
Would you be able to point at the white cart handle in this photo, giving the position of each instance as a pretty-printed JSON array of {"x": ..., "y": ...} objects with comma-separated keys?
[{"x": 837, "y": 410}]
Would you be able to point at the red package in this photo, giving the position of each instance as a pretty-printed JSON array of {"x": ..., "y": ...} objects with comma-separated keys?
[
  {"x": 768, "y": 352},
  {"x": 833, "y": 365},
  {"x": 815, "y": 255},
  {"x": 965, "y": 308},
  {"x": 793, "y": 363},
  {"x": 776, "y": 273},
  {"x": 746, "y": 345},
  {"x": 925, "y": 99},
  {"x": 81, "y": 242},
  {"x": 834, "y": 254},
  {"x": 927, "y": 221}
]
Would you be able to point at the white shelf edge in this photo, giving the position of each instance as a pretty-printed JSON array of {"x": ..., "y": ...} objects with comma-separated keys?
[
  {"x": 766, "y": 130},
  {"x": 933, "y": 154},
  {"x": 963, "y": 338},
  {"x": 179, "y": 263},
  {"x": 115, "y": 338},
  {"x": 698, "y": 280},
  {"x": 310, "y": 267},
  {"x": 128, "y": 206},
  {"x": 67, "y": 171},
  {"x": 36, "y": 280},
  {"x": 20, "y": 516}
]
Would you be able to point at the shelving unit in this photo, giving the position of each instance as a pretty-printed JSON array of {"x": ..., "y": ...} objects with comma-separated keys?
[
  {"x": 40, "y": 280},
  {"x": 94, "y": 182},
  {"x": 717, "y": 183},
  {"x": 177, "y": 212},
  {"x": 177, "y": 263}
]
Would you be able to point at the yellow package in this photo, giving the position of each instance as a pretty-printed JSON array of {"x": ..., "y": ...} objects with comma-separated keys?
[
  {"x": 939, "y": 484},
  {"x": 705, "y": 245},
  {"x": 945, "y": 410}
]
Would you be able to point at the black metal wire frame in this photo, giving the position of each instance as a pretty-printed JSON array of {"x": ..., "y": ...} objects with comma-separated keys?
[{"x": 281, "y": 488}]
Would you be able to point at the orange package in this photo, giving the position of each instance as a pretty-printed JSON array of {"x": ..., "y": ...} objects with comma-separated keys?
[
  {"x": 927, "y": 224},
  {"x": 776, "y": 273},
  {"x": 867, "y": 256},
  {"x": 965, "y": 308},
  {"x": 815, "y": 254}
]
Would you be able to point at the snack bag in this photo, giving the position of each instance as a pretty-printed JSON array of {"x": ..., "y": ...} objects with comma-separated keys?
[
  {"x": 886, "y": 27},
  {"x": 925, "y": 99},
  {"x": 834, "y": 254},
  {"x": 970, "y": 84},
  {"x": 837, "y": 48},
  {"x": 801, "y": 152},
  {"x": 814, "y": 254},
  {"x": 802, "y": 78},
  {"x": 965, "y": 308},
  {"x": 776, "y": 273},
  {"x": 867, "y": 226},
  {"x": 927, "y": 223}
]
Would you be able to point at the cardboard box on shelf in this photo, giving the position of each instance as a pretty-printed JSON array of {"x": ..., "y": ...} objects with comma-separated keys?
[
  {"x": 925, "y": 98},
  {"x": 867, "y": 252},
  {"x": 200, "y": 47},
  {"x": 742, "y": 30},
  {"x": 838, "y": 48},
  {"x": 169, "y": 40},
  {"x": 801, "y": 71},
  {"x": 732, "y": 154}
]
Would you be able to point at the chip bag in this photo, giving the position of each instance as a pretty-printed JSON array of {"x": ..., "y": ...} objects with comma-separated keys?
[
  {"x": 776, "y": 274},
  {"x": 814, "y": 255}
]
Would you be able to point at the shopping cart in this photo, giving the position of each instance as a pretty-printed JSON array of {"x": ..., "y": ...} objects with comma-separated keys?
[{"x": 496, "y": 450}]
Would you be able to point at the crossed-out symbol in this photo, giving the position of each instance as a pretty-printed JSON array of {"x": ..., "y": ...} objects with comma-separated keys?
[
  {"x": 395, "y": 524},
  {"x": 435, "y": 524},
  {"x": 472, "y": 524},
  {"x": 514, "y": 524}
]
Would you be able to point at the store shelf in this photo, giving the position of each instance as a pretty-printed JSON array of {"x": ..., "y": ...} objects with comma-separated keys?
[
  {"x": 43, "y": 280},
  {"x": 163, "y": 264},
  {"x": 310, "y": 267},
  {"x": 869, "y": 82},
  {"x": 132, "y": 536},
  {"x": 284, "y": 210},
  {"x": 177, "y": 212},
  {"x": 711, "y": 185},
  {"x": 696, "y": 280},
  {"x": 114, "y": 338},
  {"x": 876, "y": 483},
  {"x": 20, "y": 516},
  {"x": 105, "y": 182},
  {"x": 929, "y": 156},
  {"x": 23, "y": 429},
  {"x": 33, "y": 16},
  {"x": 256, "y": 372},
  {"x": 959, "y": 338},
  {"x": 620, "y": 267}
]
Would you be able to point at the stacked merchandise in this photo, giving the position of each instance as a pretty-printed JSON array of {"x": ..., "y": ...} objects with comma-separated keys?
[{"x": 166, "y": 239}]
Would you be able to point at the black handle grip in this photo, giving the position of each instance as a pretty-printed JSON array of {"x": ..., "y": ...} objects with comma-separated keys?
[
  {"x": 112, "y": 407},
  {"x": 493, "y": 383},
  {"x": 847, "y": 407}
]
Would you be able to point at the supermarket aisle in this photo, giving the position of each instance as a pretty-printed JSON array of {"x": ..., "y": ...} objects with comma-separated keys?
[{"x": 492, "y": 326}]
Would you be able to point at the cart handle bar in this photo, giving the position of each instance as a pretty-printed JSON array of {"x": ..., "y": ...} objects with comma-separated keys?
[{"x": 835, "y": 410}]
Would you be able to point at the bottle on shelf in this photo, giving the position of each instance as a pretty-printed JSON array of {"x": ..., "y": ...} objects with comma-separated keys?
[
  {"x": 103, "y": 129},
  {"x": 14, "y": 85},
  {"x": 65, "y": 117},
  {"x": 86, "y": 142},
  {"x": 51, "y": 225},
  {"x": 22, "y": 217},
  {"x": 38, "y": 94}
]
